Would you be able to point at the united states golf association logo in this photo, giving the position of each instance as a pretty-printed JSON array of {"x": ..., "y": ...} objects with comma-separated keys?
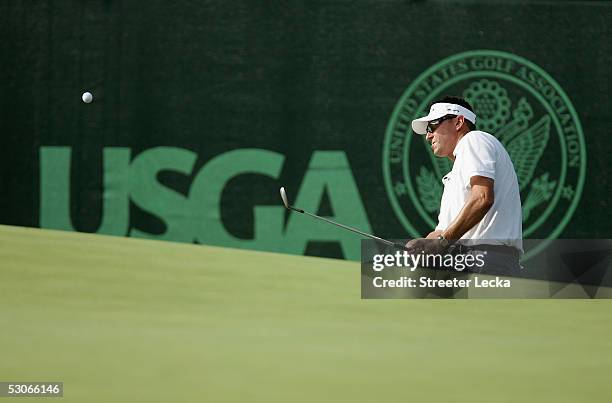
[{"x": 521, "y": 105}]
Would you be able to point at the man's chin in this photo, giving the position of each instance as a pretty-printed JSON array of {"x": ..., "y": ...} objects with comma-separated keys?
[{"x": 438, "y": 152}]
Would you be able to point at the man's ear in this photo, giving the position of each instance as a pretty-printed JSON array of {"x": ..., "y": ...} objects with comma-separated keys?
[{"x": 460, "y": 122}]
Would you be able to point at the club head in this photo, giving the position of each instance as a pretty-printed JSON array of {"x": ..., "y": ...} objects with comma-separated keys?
[{"x": 284, "y": 197}]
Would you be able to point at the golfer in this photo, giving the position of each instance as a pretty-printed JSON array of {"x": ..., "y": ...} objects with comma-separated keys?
[{"x": 481, "y": 205}]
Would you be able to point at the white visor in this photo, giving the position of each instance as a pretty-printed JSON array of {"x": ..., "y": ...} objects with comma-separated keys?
[{"x": 439, "y": 110}]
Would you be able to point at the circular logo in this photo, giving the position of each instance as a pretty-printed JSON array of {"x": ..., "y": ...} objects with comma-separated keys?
[{"x": 517, "y": 102}]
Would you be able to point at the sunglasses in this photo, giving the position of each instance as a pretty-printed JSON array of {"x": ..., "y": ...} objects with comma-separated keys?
[{"x": 434, "y": 124}]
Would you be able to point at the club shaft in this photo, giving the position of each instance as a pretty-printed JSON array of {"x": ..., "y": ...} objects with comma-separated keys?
[{"x": 349, "y": 228}]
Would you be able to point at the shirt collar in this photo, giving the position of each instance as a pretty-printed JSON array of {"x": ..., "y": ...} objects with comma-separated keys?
[{"x": 456, "y": 150}]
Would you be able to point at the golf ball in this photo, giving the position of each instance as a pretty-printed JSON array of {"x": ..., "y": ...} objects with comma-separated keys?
[{"x": 87, "y": 97}]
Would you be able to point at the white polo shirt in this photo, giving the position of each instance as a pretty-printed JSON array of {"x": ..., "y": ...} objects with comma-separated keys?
[{"x": 480, "y": 154}]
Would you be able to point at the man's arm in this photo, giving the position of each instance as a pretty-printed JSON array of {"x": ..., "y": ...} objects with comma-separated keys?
[{"x": 480, "y": 201}]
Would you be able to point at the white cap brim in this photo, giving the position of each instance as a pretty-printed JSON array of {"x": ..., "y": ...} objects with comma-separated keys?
[{"x": 439, "y": 110}]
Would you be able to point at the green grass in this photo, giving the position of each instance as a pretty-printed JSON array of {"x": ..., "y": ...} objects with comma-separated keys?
[{"x": 129, "y": 320}]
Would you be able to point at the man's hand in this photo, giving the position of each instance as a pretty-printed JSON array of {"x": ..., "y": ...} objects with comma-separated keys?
[
  {"x": 434, "y": 234},
  {"x": 427, "y": 245}
]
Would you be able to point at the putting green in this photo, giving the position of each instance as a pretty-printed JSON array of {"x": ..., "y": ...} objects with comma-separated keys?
[{"x": 120, "y": 319}]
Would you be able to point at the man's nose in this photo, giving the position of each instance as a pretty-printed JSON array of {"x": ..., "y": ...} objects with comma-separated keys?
[{"x": 429, "y": 136}]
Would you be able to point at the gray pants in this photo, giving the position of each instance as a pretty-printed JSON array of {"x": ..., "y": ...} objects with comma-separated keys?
[{"x": 497, "y": 263}]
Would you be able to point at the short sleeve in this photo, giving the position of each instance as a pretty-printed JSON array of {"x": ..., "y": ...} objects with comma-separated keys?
[{"x": 478, "y": 155}]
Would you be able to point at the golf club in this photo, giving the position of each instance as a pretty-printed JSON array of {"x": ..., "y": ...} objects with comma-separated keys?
[{"x": 290, "y": 207}]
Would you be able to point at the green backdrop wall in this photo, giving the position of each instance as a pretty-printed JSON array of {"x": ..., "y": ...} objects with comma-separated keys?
[{"x": 202, "y": 110}]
